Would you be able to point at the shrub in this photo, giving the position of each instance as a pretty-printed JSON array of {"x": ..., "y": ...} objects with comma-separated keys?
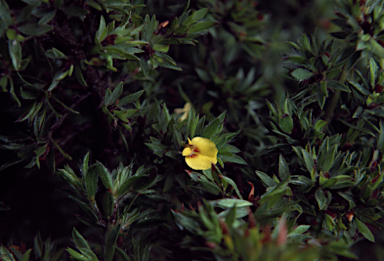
[{"x": 166, "y": 125}]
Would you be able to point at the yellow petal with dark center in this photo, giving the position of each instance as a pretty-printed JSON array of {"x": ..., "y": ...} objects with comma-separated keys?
[
  {"x": 187, "y": 151},
  {"x": 200, "y": 162},
  {"x": 205, "y": 147}
]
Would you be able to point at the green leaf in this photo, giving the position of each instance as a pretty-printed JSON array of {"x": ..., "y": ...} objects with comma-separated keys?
[
  {"x": 267, "y": 180},
  {"x": 76, "y": 255},
  {"x": 112, "y": 98},
  {"x": 233, "y": 158},
  {"x": 283, "y": 168},
  {"x": 110, "y": 243},
  {"x": 130, "y": 98},
  {"x": 91, "y": 181},
  {"x": 144, "y": 67},
  {"x": 360, "y": 88},
  {"x": 79, "y": 240},
  {"x": 320, "y": 198},
  {"x": 15, "y": 53},
  {"x": 308, "y": 160},
  {"x": 5, "y": 254},
  {"x": 201, "y": 26},
  {"x": 128, "y": 183},
  {"x": 108, "y": 203},
  {"x": 347, "y": 196},
  {"x": 319, "y": 125},
  {"x": 286, "y": 123},
  {"x": 102, "y": 32},
  {"x": 363, "y": 229},
  {"x": 328, "y": 160},
  {"x": 5, "y": 14},
  {"x": 299, "y": 230},
  {"x": 212, "y": 128},
  {"x": 233, "y": 184},
  {"x": 305, "y": 42},
  {"x": 301, "y": 74},
  {"x": 231, "y": 216},
  {"x": 60, "y": 75},
  {"x": 55, "y": 54},
  {"x": 34, "y": 29},
  {"x": 26, "y": 255},
  {"x": 296, "y": 59},
  {"x": 76, "y": 11},
  {"x": 104, "y": 175},
  {"x": 376, "y": 48},
  {"x": 335, "y": 85},
  {"x": 121, "y": 254},
  {"x": 47, "y": 17},
  {"x": 199, "y": 14},
  {"x": 346, "y": 54},
  {"x": 79, "y": 76},
  {"x": 231, "y": 202},
  {"x": 380, "y": 140},
  {"x": 85, "y": 164},
  {"x": 373, "y": 69},
  {"x": 164, "y": 48}
]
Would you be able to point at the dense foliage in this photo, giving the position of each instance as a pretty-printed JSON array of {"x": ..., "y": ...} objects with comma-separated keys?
[{"x": 103, "y": 100}]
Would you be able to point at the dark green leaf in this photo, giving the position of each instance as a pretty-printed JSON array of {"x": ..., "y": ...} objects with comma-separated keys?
[
  {"x": 320, "y": 198},
  {"x": 286, "y": 123},
  {"x": 308, "y": 160},
  {"x": 47, "y": 17},
  {"x": 55, "y": 54},
  {"x": 91, "y": 181},
  {"x": 267, "y": 180},
  {"x": 335, "y": 85},
  {"x": 110, "y": 243},
  {"x": 199, "y": 27},
  {"x": 15, "y": 53},
  {"x": 212, "y": 128},
  {"x": 79, "y": 239},
  {"x": 76, "y": 11},
  {"x": 76, "y": 255},
  {"x": 363, "y": 229},
  {"x": 101, "y": 33},
  {"x": 108, "y": 203},
  {"x": 104, "y": 175},
  {"x": 114, "y": 95},
  {"x": 130, "y": 98},
  {"x": 231, "y": 202},
  {"x": 144, "y": 66},
  {"x": 283, "y": 168},
  {"x": 301, "y": 74},
  {"x": 231, "y": 216},
  {"x": 79, "y": 76},
  {"x": 34, "y": 29}
]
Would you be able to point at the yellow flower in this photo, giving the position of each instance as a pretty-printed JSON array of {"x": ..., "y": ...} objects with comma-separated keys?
[
  {"x": 200, "y": 153},
  {"x": 185, "y": 111}
]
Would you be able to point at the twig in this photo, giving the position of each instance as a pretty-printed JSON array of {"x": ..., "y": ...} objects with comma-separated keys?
[
  {"x": 335, "y": 97},
  {"x": 61, "y": 120}
]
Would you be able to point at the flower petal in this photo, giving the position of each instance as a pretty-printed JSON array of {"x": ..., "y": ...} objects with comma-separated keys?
[
  {"x": 205, "y": 147},
  {"x": 200, "y": 162},
  {"x": 187, "y": 151}
]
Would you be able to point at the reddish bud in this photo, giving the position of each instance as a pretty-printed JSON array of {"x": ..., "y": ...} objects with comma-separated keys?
[
  {"x": 251, "y": 195},
  {"x": 373, "y": 105},
  {"x": 224, "y": 226},
  {"x": 283, "y": 232},
  {"x": 210, "y": 245},
  {"x": 378, "y": 88},
  {"x": 251, "y": 219},
  {"x": 349, "y": 215},
  {"x": 267, "y": 234}
]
